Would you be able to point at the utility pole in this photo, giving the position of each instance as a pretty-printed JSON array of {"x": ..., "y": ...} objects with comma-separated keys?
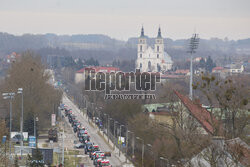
[
  {"x": 114, "y": 132},
  {"x": 9, "y": 96},
  {"x": 120, "y": 140},
  {"x": 20, "y": 91},
  {"x": 142, "y": 151},
  {"x": 126, "y": 144},
  {"x": 63, "y": 144},
  {"x": 194, "y": 42}
]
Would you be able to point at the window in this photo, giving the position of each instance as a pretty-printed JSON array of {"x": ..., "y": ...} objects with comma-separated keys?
[
  {"x": 157, "y": 56},
  {"x": 141, "y": 48},
  {"x": 158, "y": 48},
  {"x": 140, "y": 65},
  {"x": 140, "y": 55},
  {"x": 149, "y": 66},
  {"x": 158, "y": 67}
]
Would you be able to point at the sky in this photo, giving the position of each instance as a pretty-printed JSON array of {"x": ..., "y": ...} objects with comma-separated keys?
[{"x": 122, "y": 19}]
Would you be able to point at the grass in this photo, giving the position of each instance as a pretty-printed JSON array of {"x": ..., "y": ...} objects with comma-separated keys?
[{"x": 69, "y": 158}]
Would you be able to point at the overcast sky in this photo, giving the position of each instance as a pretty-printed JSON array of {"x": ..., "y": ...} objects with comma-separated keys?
[{"x": 122, "y": 19}]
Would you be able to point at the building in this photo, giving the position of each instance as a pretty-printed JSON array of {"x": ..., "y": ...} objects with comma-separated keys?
[
  {"x": 221, "y": 152},
  {"x": 80, "y": 74},
  {"x": 152, "y": 59},
  {"x": 234, "y": 68},
  {"x": 12, "y": 57}
]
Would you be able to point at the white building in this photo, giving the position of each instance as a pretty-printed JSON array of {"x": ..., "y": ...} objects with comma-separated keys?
[{"x": 152, "y": 59}]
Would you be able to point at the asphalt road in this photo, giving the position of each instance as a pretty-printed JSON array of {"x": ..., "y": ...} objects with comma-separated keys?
[{"x": 94, "y": 137}]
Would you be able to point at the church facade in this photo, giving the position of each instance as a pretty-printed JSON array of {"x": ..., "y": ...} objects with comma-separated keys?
[{"x": 152, "y": 59}]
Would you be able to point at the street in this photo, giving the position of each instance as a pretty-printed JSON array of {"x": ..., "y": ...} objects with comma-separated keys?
[{"x": 94, "y": 137}]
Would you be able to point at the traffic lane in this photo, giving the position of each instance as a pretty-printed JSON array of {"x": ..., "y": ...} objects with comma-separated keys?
[
  {"x": 94, "y": 137},
  {"x": 70, "y": 137}
]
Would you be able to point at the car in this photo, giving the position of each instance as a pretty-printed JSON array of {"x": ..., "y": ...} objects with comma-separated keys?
[
  {"x": 79, "y": 145},
  {"x": 97, "y": 155},
  {"x": 98, "y": 161},
  {"x": 88, "y": 146},
  {"x": 105, "y": 163},
  {"x": 93, "y": 150},
  {"x": 17, "y": 138}
]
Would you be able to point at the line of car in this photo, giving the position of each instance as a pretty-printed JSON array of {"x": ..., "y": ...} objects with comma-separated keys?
[{"x": 99, "y": 157}]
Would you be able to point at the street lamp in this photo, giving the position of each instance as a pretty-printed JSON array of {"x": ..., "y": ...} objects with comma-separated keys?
[
  {"x": 108, "y": 128},
  {"x": 194, "y": 42},
  {"x": 114, "y": 130},
  {"x": 142, "y": 152},
  {"x": 20, "y": 91},
  {"x": 120, "y": 139},
  {"x": 9, "y": 96},
  {"x": 133, "y": 143}
]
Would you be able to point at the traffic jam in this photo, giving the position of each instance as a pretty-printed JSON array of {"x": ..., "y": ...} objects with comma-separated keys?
[{"x": 98, "y": 157}]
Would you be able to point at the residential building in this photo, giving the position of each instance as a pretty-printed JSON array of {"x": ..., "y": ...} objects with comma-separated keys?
[{"x": 80, "y": 74}]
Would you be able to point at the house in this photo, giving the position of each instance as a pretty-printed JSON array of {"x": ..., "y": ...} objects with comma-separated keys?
[
  {"x": 159, "y": 112},
  {"x": 234, "y": 68},
  {"x": 221, "y": 152},
  {"x": 12, "y": 57},
  {"x": 80, "y": 74},
  {"x": 182, "y": 72},
  {"x": 208, "y": 123},
  {"x": 218, "y": 69}
]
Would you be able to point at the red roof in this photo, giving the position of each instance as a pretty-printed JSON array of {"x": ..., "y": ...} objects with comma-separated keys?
[
  {"x": 99, "y": 69},
  {"x": 182, "y": 71},
  {"x": 217, "y": 68},
  {"x": 207, "y": 120}
]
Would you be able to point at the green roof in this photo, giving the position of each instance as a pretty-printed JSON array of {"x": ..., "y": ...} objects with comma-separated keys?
[{"x": 151, "y": 107}]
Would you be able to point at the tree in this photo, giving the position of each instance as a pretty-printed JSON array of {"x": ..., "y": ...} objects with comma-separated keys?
[
  {"x": 16, "y": 161},
  {"x": 209, "y": 64},
  {"x": 202, "y": 63},
  {"x": 92, "y": 62},
  {"x": 39, "y": 96},
  {"x": 228, "y": 99},
  {"x": 36, "y": 160},
  {"x": 79, "y": 64}
]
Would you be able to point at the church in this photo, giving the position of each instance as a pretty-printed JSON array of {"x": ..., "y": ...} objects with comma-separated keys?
[{"x": 152, "y": 59}]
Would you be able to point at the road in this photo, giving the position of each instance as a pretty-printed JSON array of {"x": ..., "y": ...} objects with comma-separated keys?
[{"x": 93, "y": 132}]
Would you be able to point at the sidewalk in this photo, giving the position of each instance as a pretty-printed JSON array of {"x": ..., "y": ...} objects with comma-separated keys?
[{"x": 122, "y": 157}]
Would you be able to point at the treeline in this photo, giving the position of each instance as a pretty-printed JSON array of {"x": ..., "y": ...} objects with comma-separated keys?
[{"x": 40, "y": 98}]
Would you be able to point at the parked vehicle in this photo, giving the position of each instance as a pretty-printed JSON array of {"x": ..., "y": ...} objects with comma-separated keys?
[
  {"x": 52, "y": 135},
  {"x": 93, "y": 150},
  {"x": 88, "y": 146},
  {"x": 79, "y": 145}
]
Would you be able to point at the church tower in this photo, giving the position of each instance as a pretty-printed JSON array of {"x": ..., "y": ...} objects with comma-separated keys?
[
  {"x": 141, "y": 48},
  {"x": 159, "y": 46}
]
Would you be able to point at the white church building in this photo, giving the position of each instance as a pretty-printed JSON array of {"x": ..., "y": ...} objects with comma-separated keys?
[{"x": 152, "y": 59}]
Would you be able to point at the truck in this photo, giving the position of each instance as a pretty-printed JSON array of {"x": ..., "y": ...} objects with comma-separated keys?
[{"x": 52, "y": 135}]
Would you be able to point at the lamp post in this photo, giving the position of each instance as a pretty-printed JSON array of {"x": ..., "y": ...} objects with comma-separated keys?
[
  {"x": 9, "y": 96},
  {"x": 109, "y": 127},
  {"x": 133, "y": 143},
  {"x": 142, "y": 152},
  {"x": 114, "y": 132},
  {"x": 194, "y": 42},
  {"x": 20, "y": 91},
  {"x": 120, "y": 141},
  {"x": 63, "y": 144}
]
